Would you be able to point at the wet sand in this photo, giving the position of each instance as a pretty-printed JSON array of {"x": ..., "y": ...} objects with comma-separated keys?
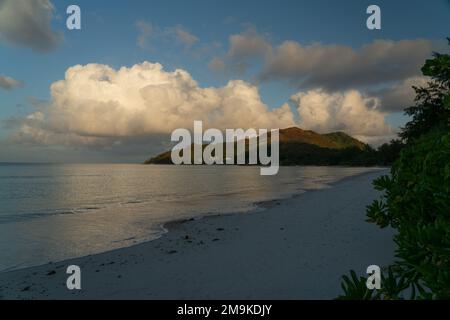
[{"x": 295, "y": 249}]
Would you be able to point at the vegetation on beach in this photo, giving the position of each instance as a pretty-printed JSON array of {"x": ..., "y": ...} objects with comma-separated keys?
[
  {"x": 305, "y": 147},
  {"x": 416, "y": 199}
]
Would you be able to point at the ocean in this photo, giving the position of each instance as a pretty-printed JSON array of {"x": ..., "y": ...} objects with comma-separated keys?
[{"x": 52, "y": 212}]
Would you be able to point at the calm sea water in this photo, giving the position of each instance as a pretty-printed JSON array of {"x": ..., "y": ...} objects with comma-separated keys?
[{"x": 54, "y": 212}]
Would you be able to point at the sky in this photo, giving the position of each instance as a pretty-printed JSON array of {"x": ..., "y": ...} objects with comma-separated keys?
[{"x": 115, "y": 90}]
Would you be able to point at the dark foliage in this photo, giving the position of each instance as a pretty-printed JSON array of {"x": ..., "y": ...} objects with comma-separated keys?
[
  {"x": 353, "y": 153},
  {"x": 416, "y": 199},
  {"x": 432, "y": 108}
]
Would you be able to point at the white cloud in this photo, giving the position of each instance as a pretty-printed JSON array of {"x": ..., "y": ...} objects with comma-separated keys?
[
  {"x": 27, "y": 23},
  {"x": 348, "y": 111},
  {"x": 97, "y": 105}
]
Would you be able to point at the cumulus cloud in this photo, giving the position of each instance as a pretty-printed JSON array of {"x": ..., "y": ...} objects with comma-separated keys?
[
  {"x": 9, "y": 83},
  {"x": 338, "y": 67},
  {"x": 98, "y": 105},
  {"x": 401, "y": 95},
  {"x": 27, "y": 23},
  {"x": 348, "y": 111}
]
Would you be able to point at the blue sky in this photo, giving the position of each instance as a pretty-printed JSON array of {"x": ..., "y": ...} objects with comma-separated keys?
[{"x": 109, "y": 36}]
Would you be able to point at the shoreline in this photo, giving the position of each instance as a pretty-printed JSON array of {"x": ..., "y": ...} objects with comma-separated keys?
[
  {"x": 180, "y": 233},
  {"x": 255, "y": 207},
  {"x": 261, "y": 206}
]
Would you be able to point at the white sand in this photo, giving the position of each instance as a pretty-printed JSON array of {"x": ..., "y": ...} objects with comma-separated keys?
[{"x": 296, "y": 249}]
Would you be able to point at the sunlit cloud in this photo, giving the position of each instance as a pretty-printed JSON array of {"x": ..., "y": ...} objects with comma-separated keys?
[
  {"x": 348, "y": 111},
  {"x": 96, "y": 104}
]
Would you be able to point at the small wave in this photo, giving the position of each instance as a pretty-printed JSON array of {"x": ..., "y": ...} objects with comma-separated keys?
[
  {"x": 124, "y": 240},
  {"x": 226, "y": 194},
  {"x": 53, "y": 176},
  {"x": 134, "y": 202},
  {"x": 27, "y": 177},
  {"x": 4, "y": 219}
]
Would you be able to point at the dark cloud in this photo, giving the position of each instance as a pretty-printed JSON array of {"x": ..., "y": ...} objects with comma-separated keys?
[
  {"x": 337, "y": 67},
  {"x": 148, "y": 32},
  {"x": 8, "y": 83},
  {"x": 243, "y": 48},
  {"x": 330, "y": 67},
  {"x": 216, "y": 65},
  {"x": 400, "y": 95},
  {"x": 27, "y": 23},
  {"x": 248, "y": 44},
  {"x": 183, "y": 36}
]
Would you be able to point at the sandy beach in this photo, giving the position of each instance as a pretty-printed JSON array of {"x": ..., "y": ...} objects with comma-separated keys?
[{"x": 295, "y": 249}]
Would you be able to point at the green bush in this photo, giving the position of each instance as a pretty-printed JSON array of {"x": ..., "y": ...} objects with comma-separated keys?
[
  {"x": 416, "y": 202},
  {"x": 416, "y": 198}
]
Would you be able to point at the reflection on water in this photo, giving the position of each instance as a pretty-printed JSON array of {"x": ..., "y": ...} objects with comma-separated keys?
[{"x": 54, "y": 212}]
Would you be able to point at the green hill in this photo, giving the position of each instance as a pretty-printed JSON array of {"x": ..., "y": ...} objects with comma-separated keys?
[
  {"x": 305, "y": 147},
  {"x": 334, "y": 140}
]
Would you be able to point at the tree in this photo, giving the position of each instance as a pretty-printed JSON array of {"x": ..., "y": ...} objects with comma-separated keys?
[
  {"x": 416, "y": 199},
  {"x": 387, "y": 153},
  {"x": 432, "y": 103}
]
